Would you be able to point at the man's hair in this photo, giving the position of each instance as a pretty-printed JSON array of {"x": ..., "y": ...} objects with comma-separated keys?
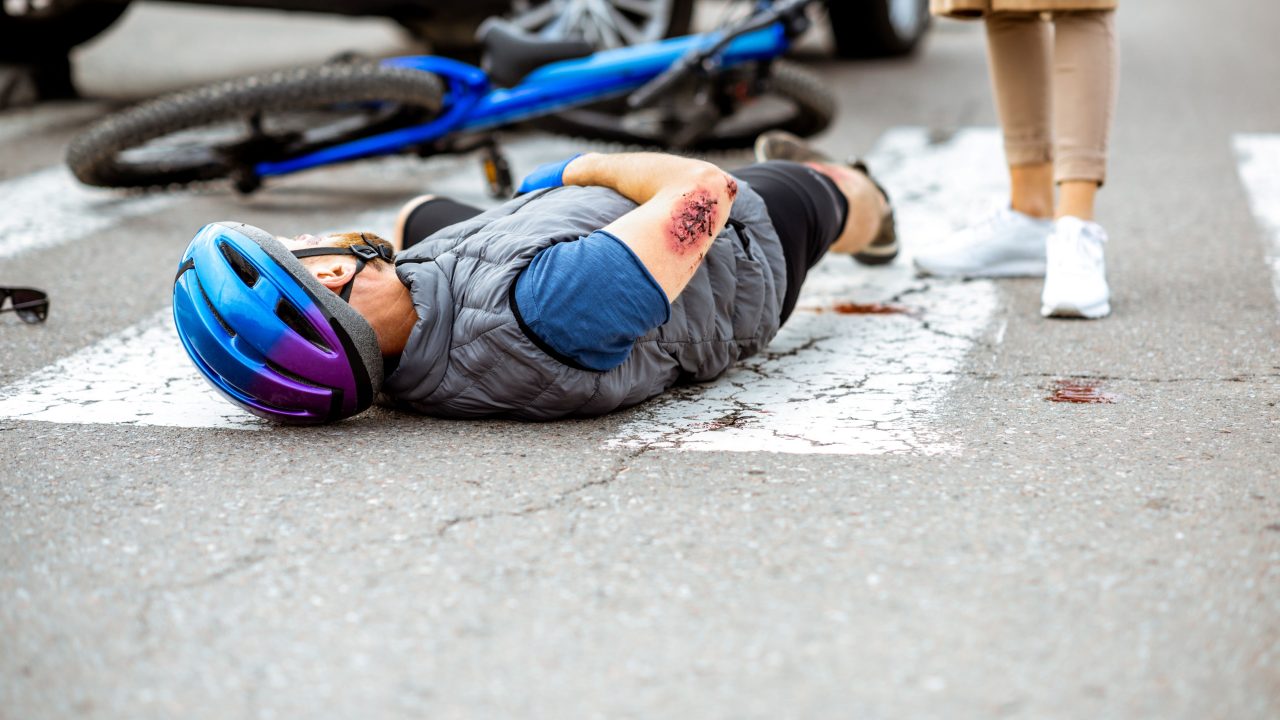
[{"x": 348, "y": 239}]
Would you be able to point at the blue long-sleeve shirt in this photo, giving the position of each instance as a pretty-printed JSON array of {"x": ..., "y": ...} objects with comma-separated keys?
[{"x": 589, "y": 300}]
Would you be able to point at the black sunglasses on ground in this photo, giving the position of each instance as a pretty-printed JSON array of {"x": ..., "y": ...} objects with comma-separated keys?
[{"x": 31, "y": 305}]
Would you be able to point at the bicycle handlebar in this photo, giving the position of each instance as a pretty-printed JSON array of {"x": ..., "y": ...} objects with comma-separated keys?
[{"x": 669, "y": 78}]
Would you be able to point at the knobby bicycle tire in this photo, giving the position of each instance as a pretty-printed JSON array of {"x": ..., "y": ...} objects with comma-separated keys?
[
  {"x": 814, "y": 110},
  {"x": 95, "y": 156},
  {"x": 817, "y": 106}
]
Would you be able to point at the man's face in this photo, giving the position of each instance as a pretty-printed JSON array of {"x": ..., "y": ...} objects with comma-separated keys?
[
  {"x": 342, "y": 239},
  {"x": 376, "y": 293},
  {"x": 336, "y": 272},
  {"x": 306, "y": 241}
]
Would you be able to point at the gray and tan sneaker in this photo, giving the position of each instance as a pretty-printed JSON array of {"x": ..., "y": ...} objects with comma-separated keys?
[{"x": 782, "y": 145}]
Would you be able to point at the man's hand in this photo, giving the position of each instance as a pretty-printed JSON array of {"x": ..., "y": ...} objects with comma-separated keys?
[{"x": 684, "y": 204}]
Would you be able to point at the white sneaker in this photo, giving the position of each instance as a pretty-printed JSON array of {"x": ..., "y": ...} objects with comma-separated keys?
[
  {"x": 1075, "y": 284},
  {"x": 1006, "y": 243}
]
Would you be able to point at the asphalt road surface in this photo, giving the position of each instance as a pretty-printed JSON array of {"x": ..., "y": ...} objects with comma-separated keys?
[{"x": 883, "y": 517}]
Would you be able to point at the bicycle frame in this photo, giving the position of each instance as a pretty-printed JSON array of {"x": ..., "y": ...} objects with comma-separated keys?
[{"x": 472, "y": 104}]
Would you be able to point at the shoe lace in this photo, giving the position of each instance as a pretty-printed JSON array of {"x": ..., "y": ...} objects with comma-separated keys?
[{"x": 1077, "y": 252}]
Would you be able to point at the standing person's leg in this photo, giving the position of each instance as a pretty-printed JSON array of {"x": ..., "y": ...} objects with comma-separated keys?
[
  {"x": 1019, "y": 54},
  {"x": 1085, "y": 80},
  {"x": 1011, "y": 241},
  {"x": 1084, "y": 92}
]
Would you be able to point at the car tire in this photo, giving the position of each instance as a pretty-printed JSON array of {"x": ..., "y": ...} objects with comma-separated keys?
[
  {"x": 877, "y": 28},
  {"x": 39, "y": 39}
]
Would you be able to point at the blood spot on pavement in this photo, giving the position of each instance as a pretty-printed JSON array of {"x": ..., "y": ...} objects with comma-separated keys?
[
  {"x": 850, "y": 308},
  {"x": 1084, "y": 392}
]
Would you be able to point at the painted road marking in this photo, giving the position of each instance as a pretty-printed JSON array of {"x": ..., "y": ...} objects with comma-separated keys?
[
  {"x": 1259, "y": 162},
  {"x": 137, "y": 377},
  {"x": 17, "y": 123},
  {"x": 49, "y": 207},
  {"x": 857, "y": 384}
]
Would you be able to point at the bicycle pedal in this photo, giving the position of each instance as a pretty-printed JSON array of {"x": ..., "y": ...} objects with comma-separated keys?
[
  {"x": 497, "y": 172},
  {"x": 246, "y": 181}
]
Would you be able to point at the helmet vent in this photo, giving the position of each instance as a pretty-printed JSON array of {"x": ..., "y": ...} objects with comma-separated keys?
[
  {"x": 293, "y": 376},
  {"x": 213, "y": 310},
  {"x": 247, "y": 273},
  {"x": 292, "y": 317}
]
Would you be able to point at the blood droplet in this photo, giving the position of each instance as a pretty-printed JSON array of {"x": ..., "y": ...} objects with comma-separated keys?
[
  {"x": 849, "y": 308},
  {"x": 1084, "y": 392}
]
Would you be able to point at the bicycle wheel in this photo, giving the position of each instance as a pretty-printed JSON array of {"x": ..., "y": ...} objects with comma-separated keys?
[
  {"x": 793, "y": 99},
  {"x": 226, "y": 128}
]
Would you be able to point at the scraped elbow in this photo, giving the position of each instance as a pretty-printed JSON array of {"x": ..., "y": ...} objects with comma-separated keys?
[{"x": 700, "y": 212}]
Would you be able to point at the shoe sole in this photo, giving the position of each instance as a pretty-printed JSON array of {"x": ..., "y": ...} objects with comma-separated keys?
[
  {"x": 1068, "y": 310},
  {"x": 1021, "y": 269},
  {"x": 877, "y": 256},
  {"x": 758, "y": 150},
  {"x": 793, "y": 143},
  {"x": 797, "y": 150}
]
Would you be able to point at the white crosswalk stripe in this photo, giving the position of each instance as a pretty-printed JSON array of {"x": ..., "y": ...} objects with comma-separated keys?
[
  {"x": 1259, "y": 159},
  {"x": 18, "y": 123},
  {"x": 140, "y": 376},
  {"x": 833, "y": 383},
  {"x": 49, "y": 207}
]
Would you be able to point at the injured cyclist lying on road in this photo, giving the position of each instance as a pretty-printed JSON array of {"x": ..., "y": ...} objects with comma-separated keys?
[{"x": 607, "y": 280}]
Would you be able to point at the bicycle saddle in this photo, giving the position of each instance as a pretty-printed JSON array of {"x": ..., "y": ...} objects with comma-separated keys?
[{"x": 511, "y": 53}]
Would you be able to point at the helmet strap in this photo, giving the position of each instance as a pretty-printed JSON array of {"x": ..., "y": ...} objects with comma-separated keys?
[{"x": 363, "y": 254}]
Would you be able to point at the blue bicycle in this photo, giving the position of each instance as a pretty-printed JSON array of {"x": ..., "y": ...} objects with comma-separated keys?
[{"x": 703, "y": 91}]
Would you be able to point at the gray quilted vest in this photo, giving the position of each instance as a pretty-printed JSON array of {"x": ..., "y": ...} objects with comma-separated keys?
[{"x": 468, "y": 355}]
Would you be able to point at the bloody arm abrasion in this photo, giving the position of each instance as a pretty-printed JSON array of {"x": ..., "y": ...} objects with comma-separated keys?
[{"x": 683, "y": 206}]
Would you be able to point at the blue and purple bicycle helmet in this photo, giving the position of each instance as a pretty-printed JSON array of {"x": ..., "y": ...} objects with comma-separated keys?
[{"x": 267, "y": 335}]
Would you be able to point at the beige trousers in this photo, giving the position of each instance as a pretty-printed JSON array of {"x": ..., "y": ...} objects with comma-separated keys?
[{"x": 1055, "y": 79}]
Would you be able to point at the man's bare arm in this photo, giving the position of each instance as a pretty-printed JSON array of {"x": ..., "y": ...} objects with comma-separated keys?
[{"x": 684, "y": 204}]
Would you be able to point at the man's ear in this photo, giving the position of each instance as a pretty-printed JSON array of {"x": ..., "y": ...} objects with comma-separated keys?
[{"x": 332, "y": 272}]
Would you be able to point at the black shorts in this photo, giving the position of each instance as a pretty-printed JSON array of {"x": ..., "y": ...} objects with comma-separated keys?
[
  {"x": 808, "y": 212},
  {"x": 432, "y": 215},
  {"x": 806, "y": 208}
]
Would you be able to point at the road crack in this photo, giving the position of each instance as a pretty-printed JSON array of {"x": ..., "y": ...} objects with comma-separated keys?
[{"x": 615, "y": 473}]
